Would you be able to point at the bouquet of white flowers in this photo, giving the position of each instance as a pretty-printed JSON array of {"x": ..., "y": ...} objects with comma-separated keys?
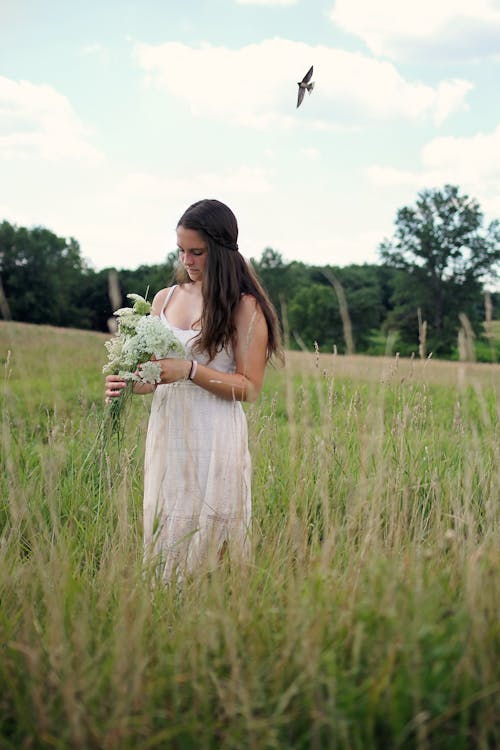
[{"x": 140, "y": 337}]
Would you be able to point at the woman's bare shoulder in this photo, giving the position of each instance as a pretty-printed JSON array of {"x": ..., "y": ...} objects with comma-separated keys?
[
  {"x": 248, "y": 303},
  {"x": 248, "y": 308},
  {"x": 159, "y": 300}
]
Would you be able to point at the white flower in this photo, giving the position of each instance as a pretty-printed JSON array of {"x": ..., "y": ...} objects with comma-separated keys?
[
  {"x": 149, "y": 372},
  {"x": 127, "y": 319},
  {"x": 114, "y": 347},
  {"x": 127, "y": 375},
  {"x": 132, "y": 354},
  {"x": 153, "y": 337},
  {"x": 140, "y": 337}
]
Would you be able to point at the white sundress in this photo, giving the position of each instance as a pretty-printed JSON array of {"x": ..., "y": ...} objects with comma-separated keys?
[{"x": 197, "y": 471}]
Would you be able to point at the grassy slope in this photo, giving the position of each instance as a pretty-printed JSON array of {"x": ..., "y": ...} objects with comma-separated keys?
[{"x": 367, "y": 618}]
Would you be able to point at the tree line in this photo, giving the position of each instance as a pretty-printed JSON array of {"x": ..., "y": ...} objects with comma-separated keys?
[{"x": 431, "y": 279}]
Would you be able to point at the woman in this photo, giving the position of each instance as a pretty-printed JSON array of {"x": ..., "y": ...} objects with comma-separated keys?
[{"x": 197, "y": 498}]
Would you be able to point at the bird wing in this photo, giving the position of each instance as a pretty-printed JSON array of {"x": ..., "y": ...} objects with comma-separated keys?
[
  {"x": 300, "y": 96},
  {"x": 308, "y": 75}
]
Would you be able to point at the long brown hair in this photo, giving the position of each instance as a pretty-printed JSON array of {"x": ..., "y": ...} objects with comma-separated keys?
[{"x": 226, "y": 277}]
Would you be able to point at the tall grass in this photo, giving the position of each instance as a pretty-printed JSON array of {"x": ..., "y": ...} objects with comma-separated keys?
[{"x": 367, "y": 618}]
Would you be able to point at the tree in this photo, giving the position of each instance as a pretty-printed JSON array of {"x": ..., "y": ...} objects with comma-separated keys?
[
  {"x": 363, "y": 295},
  {"x": 41, "y": 276},
  {"x": 314, "y": 315},
  {"x": 43, "y": 279},
  {"x": 280, "y": 279},
  {"x": 444, "y": 255}
]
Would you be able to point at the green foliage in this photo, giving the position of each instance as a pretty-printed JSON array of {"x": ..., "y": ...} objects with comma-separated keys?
[
  {"x": 437, "y": 263},
  {"x": 41, "y": 275},
  {"x": 148, "y": 279},
  {"x": 45, "y": 280},
  {"x": 281, "y": 280},
  {"x": 311, "y": 304},
  {"x": 443, "y": 254},
  {"x": 314, "y": 315},
  {"x": 363, "y": 290}
]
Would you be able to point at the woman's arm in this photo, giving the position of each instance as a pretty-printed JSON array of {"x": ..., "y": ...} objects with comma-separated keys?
[{"x": 250, "y": 348}]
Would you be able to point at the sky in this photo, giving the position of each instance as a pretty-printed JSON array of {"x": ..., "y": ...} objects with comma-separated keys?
[{"x": 115, "y": 116}]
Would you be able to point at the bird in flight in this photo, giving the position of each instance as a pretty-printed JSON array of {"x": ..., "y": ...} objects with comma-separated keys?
[{"x": 304, "y": 84}]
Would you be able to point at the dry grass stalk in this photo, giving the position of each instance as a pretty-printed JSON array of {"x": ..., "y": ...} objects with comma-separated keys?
[
  {"x": 462, "y": 349},
  {"x": 115, "y": 297},
  {"x": 422, "y": 335},
  {"x": 466, "y": 348},
  {"x": 488, "y": 315},
  {"x": 344, "y": 310},
  {"x": 374, "y": 369}
]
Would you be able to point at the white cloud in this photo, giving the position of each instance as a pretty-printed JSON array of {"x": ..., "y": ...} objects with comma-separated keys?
[
  {"x": 242, "y": 179},
  {"x": 383, "y": 176},
  {"x": 127, "y": 220},
  {"x": 336, "y": 250},
  {"x": 472, "y": 162},
  {"x": 132, "y": 220},
  {"x": 310, "y": 153},
  {"x": 474, "y": 156},
  {"x": 38, "y": 121},
  {"x": 256, "y": 85},
  {"x": 434, "y": 27},
  {"x": 344, "y": 250}
]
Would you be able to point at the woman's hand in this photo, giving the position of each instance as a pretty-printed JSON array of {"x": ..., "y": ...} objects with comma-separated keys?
[
  {"x": 114, "y": 386},
  {"x": 173, "y": 369}
]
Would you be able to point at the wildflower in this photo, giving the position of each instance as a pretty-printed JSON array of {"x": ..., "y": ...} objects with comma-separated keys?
[
  {"x": 140, "y": 337},
  {"x": 149, "y": 372}
]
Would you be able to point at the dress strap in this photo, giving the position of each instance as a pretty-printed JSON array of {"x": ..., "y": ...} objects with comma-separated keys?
[{"x": 167, "y": 298}]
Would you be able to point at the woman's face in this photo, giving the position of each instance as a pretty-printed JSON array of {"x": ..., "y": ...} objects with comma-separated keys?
[{"x": 193, "y": 252}]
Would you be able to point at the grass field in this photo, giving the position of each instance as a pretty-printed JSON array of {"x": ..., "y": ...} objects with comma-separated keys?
[{"x": 367, "y": 618}]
